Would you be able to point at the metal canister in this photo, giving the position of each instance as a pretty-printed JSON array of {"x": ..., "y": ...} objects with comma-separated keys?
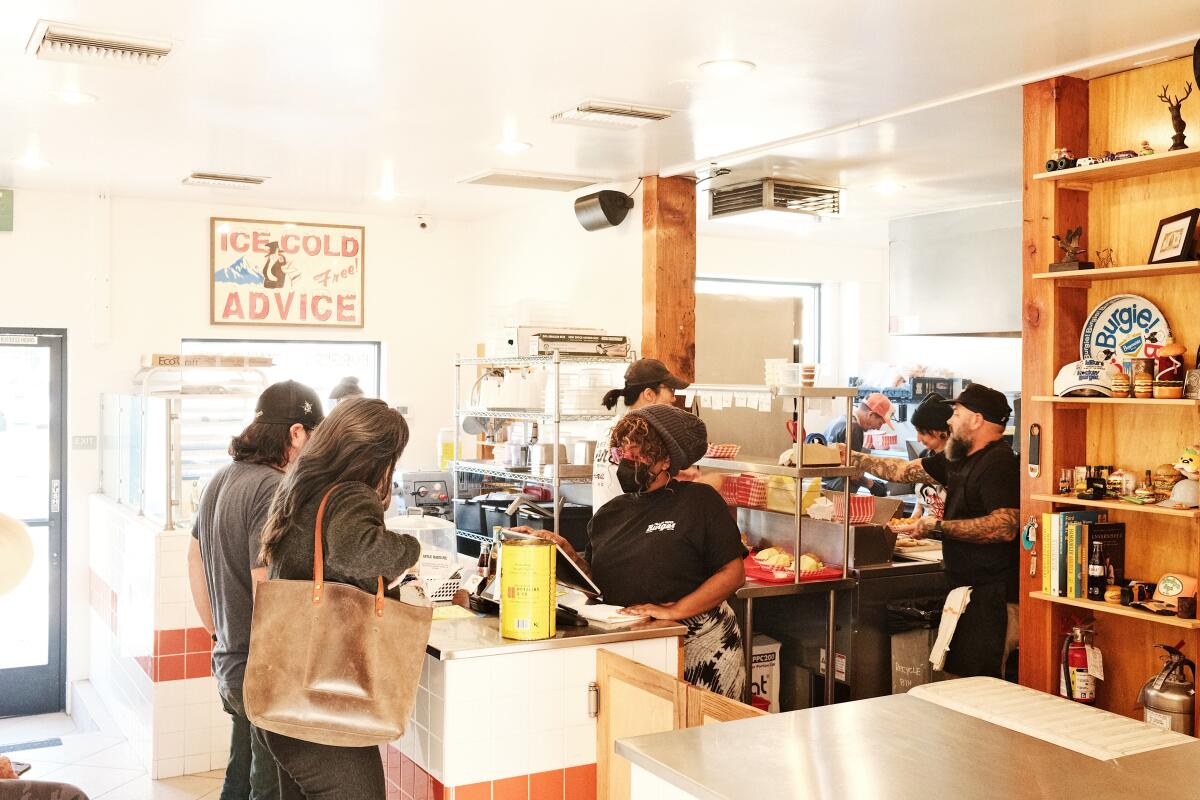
[{"x": 527, "y": 589}]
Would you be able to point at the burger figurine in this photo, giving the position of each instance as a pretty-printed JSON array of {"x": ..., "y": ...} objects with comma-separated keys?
[{"x": 1165, "y": 477}]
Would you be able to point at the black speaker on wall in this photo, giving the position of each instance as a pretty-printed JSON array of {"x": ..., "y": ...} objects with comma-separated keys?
[{"x": 600, "y": 210}]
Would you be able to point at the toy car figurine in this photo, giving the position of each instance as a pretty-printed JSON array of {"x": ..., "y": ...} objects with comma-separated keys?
[
  {"x": 1062, "y": 158},
  {"x": 1121, "y": 156},
  {"x": 1086, "y": 161}
]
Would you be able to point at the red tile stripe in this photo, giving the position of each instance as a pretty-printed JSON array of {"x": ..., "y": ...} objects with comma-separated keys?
[{"x": 407, "y": 781}]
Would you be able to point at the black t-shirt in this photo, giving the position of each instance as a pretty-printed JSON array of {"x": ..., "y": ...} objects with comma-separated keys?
[
  {"x": 661, "y": 546},
  {"x": 975, "y": 487}
]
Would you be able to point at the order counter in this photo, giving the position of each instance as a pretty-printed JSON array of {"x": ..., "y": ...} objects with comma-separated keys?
[
  {"x": 976, "y": 738},
  {"x": 495, "y": 714}
]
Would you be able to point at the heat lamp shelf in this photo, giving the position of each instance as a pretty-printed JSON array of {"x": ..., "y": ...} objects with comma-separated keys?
[
  {"x": 1116, "y": 610},
  {"x": 1116, "y": 505},
  {"x": 1140, "y": 167},
  {"x": 540, "y": 361}
]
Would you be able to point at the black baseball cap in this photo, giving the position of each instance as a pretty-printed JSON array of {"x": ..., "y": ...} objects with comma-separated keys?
[
  {"x": 652, "y": 372},
  {"x": 989, "y": 403},
  {"x": 288, "y": 403}
]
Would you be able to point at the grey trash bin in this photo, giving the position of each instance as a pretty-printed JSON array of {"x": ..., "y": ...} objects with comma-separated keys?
[{"x": 913, "y": 625}]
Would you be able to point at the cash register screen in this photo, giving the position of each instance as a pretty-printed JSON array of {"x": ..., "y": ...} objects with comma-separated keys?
[{"x": 566, "y": 572}]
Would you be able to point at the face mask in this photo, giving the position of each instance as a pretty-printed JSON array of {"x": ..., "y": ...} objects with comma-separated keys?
[{"x": 634, "y": 476}]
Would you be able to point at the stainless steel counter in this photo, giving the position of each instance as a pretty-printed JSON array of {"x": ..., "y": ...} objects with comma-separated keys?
[
  {"x": 898, "y": 747},
  {"x": 480, "y": 636}
]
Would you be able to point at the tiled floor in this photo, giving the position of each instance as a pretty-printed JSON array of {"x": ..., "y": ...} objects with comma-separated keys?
[{"x": 100, "y": 763}]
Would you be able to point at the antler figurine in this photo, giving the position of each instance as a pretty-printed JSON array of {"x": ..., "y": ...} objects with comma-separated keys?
[
  {"x": 1173, "y": 103},
  {"x": 1069, "y": 243}
]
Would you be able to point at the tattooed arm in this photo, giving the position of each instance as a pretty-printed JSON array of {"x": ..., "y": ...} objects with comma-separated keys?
[
  {"x": 998, "y": 526},
  {"x": 892, "y": 469}
]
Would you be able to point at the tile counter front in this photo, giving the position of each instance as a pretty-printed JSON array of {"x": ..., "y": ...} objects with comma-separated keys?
[{"x": 501, "y": 718}]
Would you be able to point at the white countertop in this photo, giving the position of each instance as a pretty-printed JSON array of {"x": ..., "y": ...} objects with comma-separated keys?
[{"x": 480, "y": 636}]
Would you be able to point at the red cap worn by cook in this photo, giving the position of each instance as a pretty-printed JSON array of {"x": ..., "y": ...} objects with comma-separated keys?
[{"x": 881, "y": 406}]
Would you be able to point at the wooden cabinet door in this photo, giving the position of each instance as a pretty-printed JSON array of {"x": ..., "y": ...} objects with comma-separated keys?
[
  {"x": 705, "y": 708},
  {"x": 634, "y": 700}
]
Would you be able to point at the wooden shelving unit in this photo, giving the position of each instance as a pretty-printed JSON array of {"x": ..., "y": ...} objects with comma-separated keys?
[
  {"x": 1120, "y": 611},
  {"x": 1116, "y": 505},
  {"x": 1140, "y": 167},
  {"x": 1118, "y": 205},
  {"x": 1113, "y": 401},
  {"x": 1174, "y": 269}
]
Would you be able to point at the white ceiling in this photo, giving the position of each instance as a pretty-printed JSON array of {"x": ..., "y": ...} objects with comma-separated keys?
[{"x": 319, "y": 96}]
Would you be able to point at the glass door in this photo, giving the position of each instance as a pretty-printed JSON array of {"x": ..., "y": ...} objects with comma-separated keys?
[{"x": 32, "y": 490}]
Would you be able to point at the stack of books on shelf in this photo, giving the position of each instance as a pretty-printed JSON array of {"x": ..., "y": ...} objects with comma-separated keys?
[{"x": 1067, "y": 544}]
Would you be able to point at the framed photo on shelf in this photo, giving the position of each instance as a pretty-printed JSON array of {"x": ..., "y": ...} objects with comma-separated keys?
[{"x": 1176, "y": 238}]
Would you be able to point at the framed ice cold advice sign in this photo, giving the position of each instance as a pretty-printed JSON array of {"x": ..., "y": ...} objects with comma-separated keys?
[{"x": 286, "y": 273}]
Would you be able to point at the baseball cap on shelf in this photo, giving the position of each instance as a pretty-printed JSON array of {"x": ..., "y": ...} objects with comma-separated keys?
[
  {"x": 878, "y": 403},
  {"x": 288, "y": 403},
  {"x": 1085, "y": 378},
  {"x": 652, "y": 372},
  {"x": 989, "y": 403}
]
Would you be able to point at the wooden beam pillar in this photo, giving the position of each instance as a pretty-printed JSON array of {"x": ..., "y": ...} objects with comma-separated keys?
[
  {"x": 669, "y": 273},
  {"x": 1055, "y": 115}
]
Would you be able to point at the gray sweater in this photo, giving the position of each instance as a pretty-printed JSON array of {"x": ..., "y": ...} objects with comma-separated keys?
[{"x": 358, "y": 548}]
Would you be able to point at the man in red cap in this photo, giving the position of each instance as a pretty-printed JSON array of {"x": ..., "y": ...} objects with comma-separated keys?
[{"x": 871, "y": 414}]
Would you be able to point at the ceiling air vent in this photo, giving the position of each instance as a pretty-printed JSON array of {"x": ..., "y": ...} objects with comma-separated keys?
[
  {"x": 604, "y": 114},
  {"x": 770, "y": 194},
  {"x": 532, "y": 180},
  {"x": 223, "y": 181},
  {"x": 59, "y": 42}
]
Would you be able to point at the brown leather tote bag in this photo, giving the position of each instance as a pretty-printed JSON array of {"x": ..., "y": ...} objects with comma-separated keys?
[{"x": 330, "y": 663}]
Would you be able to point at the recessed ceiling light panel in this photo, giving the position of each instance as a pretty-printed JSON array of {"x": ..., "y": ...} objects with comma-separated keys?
[
  {"x": 513, "y": 148},
  {"x": 74, "y": 97},
  {"x": 727, "y": 67}
]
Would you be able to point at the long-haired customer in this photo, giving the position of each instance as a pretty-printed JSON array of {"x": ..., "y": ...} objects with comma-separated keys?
[{"x": 356, "y": 449}]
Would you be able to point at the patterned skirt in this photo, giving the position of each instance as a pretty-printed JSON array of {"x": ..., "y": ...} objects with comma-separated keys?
[{"x": 713, "y": 658}]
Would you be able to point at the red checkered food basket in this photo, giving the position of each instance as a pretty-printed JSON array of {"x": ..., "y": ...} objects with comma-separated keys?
[
  {"x": 751, "y": 490},
  {"x": 729, "y": 486},
  {"x": 862, "y": 508},
  {"x": 723, "y": 450}
]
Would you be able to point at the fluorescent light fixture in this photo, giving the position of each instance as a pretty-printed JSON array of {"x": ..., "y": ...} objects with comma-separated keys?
[
  {"x": 512, "y": 148},
  {"x": 888, "y": 187},
  {"x": 74, "y": 97},
  {"x": 222, "y": 180},
  {"x": 727, "y": 67}
]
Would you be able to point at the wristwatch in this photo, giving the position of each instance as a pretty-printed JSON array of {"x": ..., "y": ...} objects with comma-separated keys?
[{"x": 937, "y": 528}]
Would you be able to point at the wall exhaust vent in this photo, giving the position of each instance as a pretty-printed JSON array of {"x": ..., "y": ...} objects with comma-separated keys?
[
  {"x": 223, "y": 181},
  {"x": 770, "y": 194},
  {"x": 56, "y": 41},
  {"x": 604, "y": 114},
  {"x": 510, "y": 179}
]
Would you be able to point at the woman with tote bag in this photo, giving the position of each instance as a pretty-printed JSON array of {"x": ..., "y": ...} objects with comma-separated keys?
[{"x": 334, "y": 660}]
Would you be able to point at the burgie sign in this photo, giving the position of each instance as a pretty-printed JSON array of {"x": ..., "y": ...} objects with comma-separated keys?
[{"x": 286, "y": 273}]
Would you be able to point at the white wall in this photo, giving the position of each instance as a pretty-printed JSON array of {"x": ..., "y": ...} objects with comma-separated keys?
[{"x": 157, "y": 258}]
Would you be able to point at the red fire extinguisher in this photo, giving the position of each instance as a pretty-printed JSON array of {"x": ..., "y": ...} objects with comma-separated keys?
[{"x": 1077, "y": 682}]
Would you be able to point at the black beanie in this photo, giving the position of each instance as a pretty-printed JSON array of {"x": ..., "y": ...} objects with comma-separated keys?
[
  {"x": 933, "y": 414},
  {"x": 684, "y": 434}
]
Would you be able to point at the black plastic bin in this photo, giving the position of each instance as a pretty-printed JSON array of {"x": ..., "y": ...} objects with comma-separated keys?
[{"x": 913, "y": 625}]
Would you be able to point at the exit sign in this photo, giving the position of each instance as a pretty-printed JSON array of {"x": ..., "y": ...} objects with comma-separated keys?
[{"x": 6, "y": 210}]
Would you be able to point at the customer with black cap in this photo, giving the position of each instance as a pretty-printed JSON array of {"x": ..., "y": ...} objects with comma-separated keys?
[
  {"x": 931, "y": 419},
  {"x": 647, "y": 382},
  {"x": 979, "y": 549},
  {"x": 670, "y": 549},
  {"x": 224, "y": 565}
]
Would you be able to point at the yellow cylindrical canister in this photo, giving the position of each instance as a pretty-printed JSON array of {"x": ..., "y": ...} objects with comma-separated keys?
[{"x": 527, "y": 589}]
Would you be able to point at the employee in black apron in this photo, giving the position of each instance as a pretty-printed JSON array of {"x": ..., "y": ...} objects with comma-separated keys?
[{"x": 979, "y": 530}]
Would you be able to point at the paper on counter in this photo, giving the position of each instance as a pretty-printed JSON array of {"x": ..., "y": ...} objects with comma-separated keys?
[{"x": 452, "y": 612}]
